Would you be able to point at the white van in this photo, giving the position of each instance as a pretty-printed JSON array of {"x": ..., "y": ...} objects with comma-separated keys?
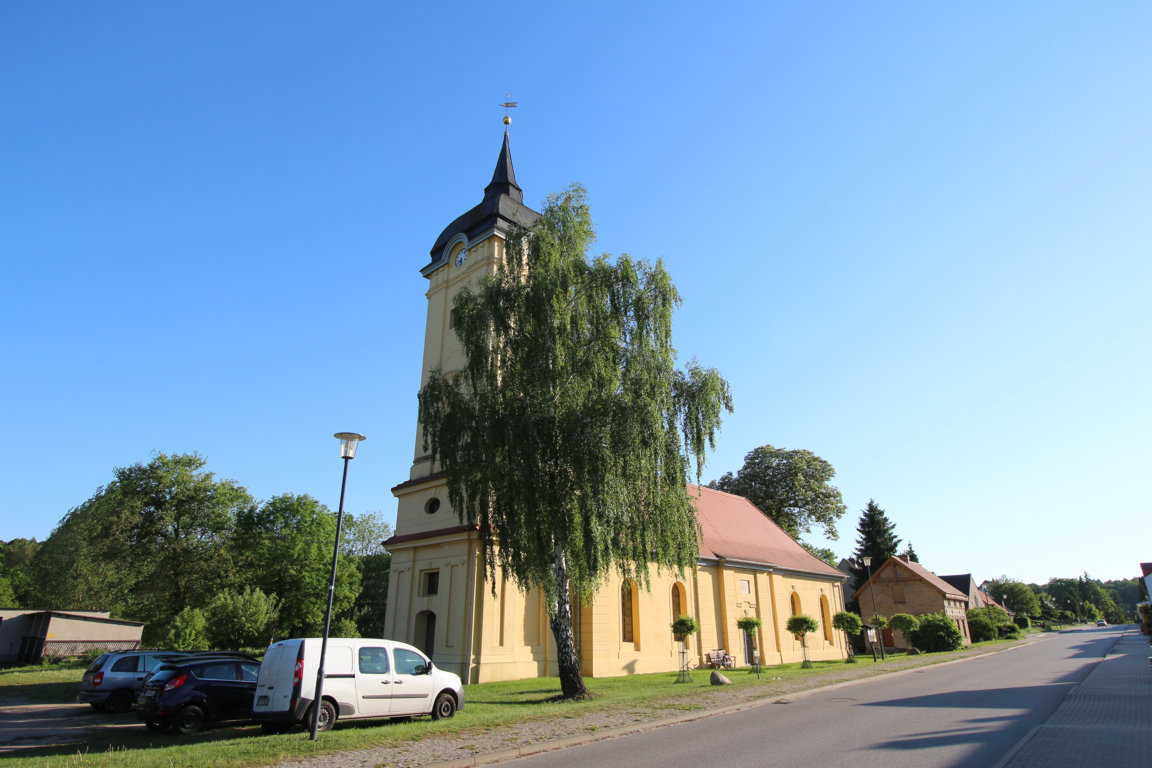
[{"x": 363, "y": 678}]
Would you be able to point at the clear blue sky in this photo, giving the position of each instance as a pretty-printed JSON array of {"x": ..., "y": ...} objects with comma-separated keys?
[{"x": 914, "y": 237}]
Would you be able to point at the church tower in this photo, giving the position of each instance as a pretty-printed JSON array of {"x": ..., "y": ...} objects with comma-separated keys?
[{"x": 435, "y": 583}]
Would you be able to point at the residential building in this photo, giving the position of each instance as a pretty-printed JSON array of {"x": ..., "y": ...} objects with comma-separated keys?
[{"x": 906, "y": 587}]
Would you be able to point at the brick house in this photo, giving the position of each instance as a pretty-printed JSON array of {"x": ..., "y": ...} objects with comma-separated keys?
[{"x": 906, "y": 587}]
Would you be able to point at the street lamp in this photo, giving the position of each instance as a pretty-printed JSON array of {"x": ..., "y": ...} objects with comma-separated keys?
[
  {"x": 875, "y": 611},
  {"x": 348, "y": 443}
]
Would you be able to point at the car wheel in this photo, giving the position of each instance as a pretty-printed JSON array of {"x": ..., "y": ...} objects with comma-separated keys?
[
  {"x": 444, "y": 707},
  {"x": 189, "y": 719},
  {"x": 119, "y": 702},
  {"x": 156, "y": 726},
  {"x": 327, "y": 717}
]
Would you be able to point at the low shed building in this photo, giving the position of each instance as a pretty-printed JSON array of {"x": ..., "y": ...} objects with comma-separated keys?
[{"x": 26, "y": 637}]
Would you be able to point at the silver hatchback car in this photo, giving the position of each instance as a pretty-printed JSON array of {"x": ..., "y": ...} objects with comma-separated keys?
[{"x": 112, "y": 680}]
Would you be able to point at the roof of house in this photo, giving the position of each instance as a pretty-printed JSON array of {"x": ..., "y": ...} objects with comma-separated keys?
[
  {"x": 732, "y": 527},
  {"x": 962, "y": 582},
  {"x": 923, "y": 573}
]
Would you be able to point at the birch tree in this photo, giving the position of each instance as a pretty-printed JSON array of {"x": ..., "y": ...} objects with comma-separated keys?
[{"x": 568, "y": 437}]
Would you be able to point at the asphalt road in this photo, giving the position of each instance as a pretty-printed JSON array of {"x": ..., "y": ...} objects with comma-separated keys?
[{"x": 965, "y": 714}]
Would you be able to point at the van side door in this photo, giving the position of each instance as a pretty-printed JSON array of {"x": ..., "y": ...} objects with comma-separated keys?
[
  {"x": 373, "y": 681},
  {"x": 412, "y": 683}
]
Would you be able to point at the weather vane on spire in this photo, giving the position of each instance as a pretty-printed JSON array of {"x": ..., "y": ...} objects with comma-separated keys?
[{"x": 507, "y": 106}]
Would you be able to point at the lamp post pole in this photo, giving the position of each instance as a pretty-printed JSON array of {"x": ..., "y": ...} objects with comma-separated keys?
[
  {"x": 875, "y": 610},
  {"x": 348, "y": 443}
]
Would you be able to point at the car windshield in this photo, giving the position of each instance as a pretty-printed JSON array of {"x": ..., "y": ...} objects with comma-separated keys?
[{"x": 98, "y": 661}]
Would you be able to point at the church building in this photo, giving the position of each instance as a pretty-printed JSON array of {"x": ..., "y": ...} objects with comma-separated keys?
[{"x": 438, "y": 596}]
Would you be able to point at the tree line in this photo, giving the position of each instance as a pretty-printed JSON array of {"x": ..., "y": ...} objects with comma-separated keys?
[
  {"x": 1060, "y": 600},
  {"x": 201, "y": 562}
]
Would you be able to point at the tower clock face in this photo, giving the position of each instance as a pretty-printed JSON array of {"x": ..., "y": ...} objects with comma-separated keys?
[{"x": 461, "y": 257}]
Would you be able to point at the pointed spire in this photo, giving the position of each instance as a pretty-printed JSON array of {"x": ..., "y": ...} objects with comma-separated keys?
[{"x": 504, "y": 177}]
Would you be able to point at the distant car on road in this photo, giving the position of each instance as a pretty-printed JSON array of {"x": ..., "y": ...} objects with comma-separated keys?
[
  {"x": 1101, "y": 623},
  {"x": 184, "y": 694}
]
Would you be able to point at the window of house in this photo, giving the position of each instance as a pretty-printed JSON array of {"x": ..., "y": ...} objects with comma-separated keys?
[
  {"x": 627, "y": 631},
  {"x": 430, "y": 583},
  {"x": 451, "y": 319},
  {"x": 745, "y": 587},
  {"x": 826, "y": 618},
  {"x": 898, "y": 593}
]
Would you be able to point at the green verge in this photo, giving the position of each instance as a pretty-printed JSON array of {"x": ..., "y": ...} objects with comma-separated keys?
[{"x": 490, "y": 706}]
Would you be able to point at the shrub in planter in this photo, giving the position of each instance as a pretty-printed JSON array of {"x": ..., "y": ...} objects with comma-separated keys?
[
  {"x": 684, "y": 626},
  {"x": 937, "y": 633},
  {"x": 850, "y": 624},
  {"x": 801, "y": 625},
  {"x": 748, "y": 623}
]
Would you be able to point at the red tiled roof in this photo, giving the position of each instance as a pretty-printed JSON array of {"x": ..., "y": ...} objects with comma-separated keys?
[
  {"x": 732, "y": 527},
  {"x": 930, "y": 578}
]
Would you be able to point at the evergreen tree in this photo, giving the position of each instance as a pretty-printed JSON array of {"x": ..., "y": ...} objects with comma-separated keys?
[
  {"x": 909, "y": 554},
  {"x": 875, "y": 538}
]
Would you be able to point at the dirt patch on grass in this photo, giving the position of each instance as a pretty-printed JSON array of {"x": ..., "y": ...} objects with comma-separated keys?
[{"x": 23, "y": 726}]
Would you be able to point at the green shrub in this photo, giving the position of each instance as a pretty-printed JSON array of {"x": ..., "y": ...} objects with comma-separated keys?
[
  {"x": 937, "y": 633},
  {"x": 344, "y": 627},
  {"x": 1023, "y": 621},
  {"x": 980, "y": 628},
  {"x": 188, "y": 630},
  {"x": 238, "y": 619},
  {"x": 903, "y": 622},
  {"x": 1008, "y": 632}
]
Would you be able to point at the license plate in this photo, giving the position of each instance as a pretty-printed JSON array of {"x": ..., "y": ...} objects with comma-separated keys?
[{"x": 262, "y": 701}]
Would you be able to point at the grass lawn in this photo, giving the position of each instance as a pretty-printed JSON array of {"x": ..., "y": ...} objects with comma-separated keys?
[{"x": 488, "y": 706}]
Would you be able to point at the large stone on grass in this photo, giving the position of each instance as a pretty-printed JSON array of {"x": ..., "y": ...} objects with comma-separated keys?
[{"x": 718, "y": 679}]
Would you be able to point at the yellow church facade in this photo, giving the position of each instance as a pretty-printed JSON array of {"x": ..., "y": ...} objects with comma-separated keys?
[{"x": 440, "y": 600}]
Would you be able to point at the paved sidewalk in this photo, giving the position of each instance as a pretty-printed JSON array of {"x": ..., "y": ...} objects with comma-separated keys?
[{"x": 1104, "y": 721}]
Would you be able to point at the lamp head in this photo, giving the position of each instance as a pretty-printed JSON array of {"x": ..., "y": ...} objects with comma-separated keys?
[
  {"x": 348, "y": 443},
  {"x": 867, "y": 561}
]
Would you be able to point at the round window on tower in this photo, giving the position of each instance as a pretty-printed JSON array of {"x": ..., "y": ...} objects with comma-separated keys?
[{"x": 432, "y": 507}]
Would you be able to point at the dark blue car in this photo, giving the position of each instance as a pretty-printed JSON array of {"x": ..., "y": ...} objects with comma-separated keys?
[{"x": 183, "y": 696}]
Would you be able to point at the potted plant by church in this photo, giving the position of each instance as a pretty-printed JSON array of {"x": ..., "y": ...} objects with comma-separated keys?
[
  {"x": 748, "y": 625},
  {"x": 800, "y": 625},
  {"x": 681, "y": 628},
  {"x": 850, "y": 624}
]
